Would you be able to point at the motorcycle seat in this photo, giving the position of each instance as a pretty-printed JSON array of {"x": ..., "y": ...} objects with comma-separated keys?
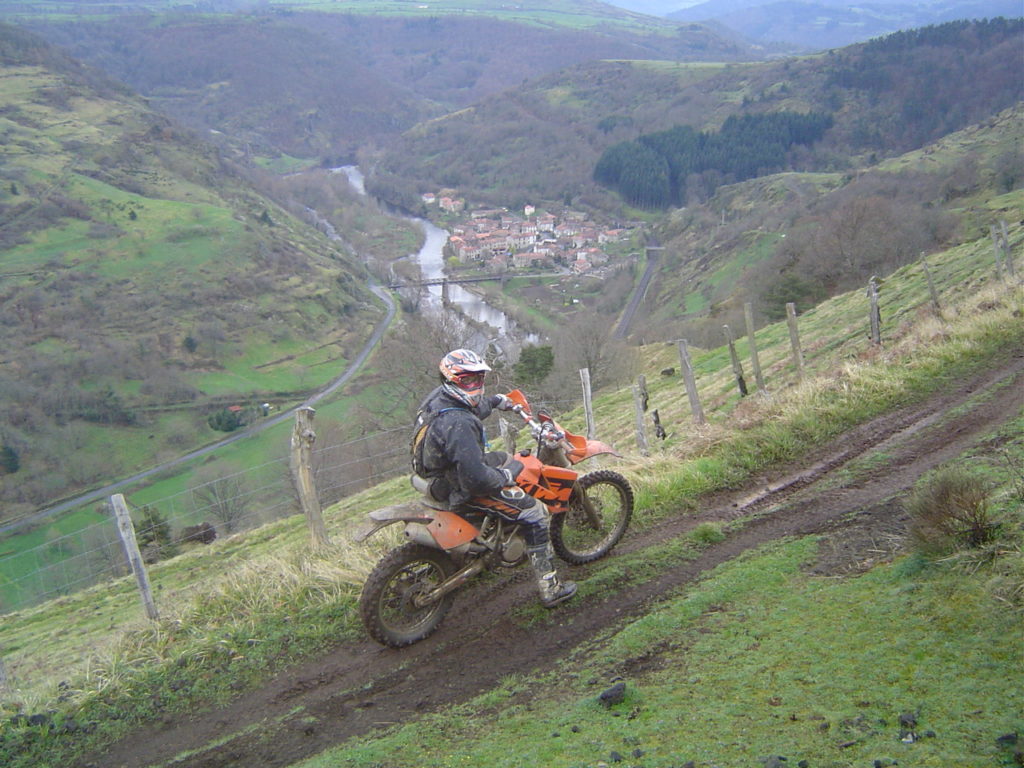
[{"x": 424, "y": 486}]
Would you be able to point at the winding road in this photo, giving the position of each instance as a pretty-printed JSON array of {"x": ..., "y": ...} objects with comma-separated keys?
[
  {"x": 349, "y": 372},
  {"x": 627, "y": 314}
]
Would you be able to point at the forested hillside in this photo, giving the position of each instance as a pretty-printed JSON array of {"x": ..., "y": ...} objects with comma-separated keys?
[
  {"x": 544, "y": 140},
  {"x": 654, "y": 170},
  {"x": 141, "y": 272},
  {"x": 321, "y": 85},
  {"x": 801, "y": 237}
]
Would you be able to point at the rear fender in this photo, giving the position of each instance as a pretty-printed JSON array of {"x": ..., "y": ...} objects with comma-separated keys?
[
  {"x": 447, "y": 529},
  {"x": 410, "y": 512}
]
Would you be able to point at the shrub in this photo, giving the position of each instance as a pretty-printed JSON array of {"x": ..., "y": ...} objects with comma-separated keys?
[
  {"x": 950, "y": 511},
  {"x": 225, "y": 420},
  {"x": 707, "y": 533}
]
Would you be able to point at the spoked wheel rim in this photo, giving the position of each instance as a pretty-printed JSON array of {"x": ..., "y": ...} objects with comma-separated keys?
[
  {"x": 398, "y": 610},
  {"x": 597, "y": 517}
]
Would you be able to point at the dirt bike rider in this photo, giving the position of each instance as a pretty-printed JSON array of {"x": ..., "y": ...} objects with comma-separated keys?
[{"x": 472, "y": 480}]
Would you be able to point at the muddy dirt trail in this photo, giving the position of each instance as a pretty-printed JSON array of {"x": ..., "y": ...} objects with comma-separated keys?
[{"x": 360, "y": 687}]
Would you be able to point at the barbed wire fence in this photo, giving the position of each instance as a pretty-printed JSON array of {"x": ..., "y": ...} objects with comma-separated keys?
[{"x": 65, "y": 562}]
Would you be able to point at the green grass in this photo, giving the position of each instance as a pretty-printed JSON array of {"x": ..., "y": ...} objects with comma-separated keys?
[
  {"x": 263, "y": 581},
  {"x": 756, "y": 660},
  {"x": 553, "y": 13}
]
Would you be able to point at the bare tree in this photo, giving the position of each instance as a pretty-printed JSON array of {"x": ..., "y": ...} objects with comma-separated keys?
[
  {"x": 586, "y": 342},
  {"x": 408, "y": 360},
  {"x": 221, "y": 495},
  {"x": 106, "y": 552}
]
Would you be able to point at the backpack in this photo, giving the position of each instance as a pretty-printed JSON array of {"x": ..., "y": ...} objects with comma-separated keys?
[{"x": 420, "y": 428}]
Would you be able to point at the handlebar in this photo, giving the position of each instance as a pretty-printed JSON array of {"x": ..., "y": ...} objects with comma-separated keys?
[{"x": 545, "y": 431}]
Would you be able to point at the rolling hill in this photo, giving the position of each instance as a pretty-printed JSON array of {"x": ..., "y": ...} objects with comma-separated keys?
[
  {"x": 320, "y": 84},
  {"x": 542, "y": 141},
  {"x": 140, "y": 271}
]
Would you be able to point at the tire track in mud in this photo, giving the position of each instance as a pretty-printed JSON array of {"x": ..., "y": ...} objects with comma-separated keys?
[{"x": 361, "y": 687}]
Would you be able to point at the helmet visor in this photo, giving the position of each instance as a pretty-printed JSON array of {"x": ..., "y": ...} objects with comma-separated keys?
[{"x": 470, "y": 380}]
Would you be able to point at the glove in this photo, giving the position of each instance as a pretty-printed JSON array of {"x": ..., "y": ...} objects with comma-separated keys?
[
  {"x": 511, "y": 472},
  {"x": 503, "y": 403}
]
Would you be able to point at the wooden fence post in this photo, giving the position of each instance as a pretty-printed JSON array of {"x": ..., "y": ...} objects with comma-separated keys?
[
  {"x": 1007, "y": 256},
  {"x": 131, "y": 549},
  {"x": 507, "y": 436},
  {"x": 794, "y": 340},
  {"x": 748, "y": 314},
  {"x": 876, "y": 314},
  {"x": 641, "y": 383},
  {"x": 691, "y": 382},
  {"x": 303, "y": 438},
  {"x": 737, "y": 368},
  {"x": 588, "y": 404},
  {"x": 641, "y": 435},
  {"x": 5, "y": 684},
  {"x": 997, "y": 250},
  {"x": 931, "y": 286}
]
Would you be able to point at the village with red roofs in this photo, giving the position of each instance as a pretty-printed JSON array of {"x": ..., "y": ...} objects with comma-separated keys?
[{"x": 498, "y": 240}]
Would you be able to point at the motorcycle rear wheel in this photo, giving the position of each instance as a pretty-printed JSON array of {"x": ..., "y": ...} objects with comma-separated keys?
[
  {"x": 386, "y": 604},
  {"x": 581, "y": 535}
]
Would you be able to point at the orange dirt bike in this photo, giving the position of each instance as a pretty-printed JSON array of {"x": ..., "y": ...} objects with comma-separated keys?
[{"x": 410, "y": 590}]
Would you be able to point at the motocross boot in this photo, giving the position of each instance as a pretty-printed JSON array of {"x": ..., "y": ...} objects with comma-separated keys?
[{"x": 552, "y": 589}]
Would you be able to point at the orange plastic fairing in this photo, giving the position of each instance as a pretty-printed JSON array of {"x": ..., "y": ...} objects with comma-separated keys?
[
  {"x": 552, "y": 485},
  {"x": 449, "y": 530}
]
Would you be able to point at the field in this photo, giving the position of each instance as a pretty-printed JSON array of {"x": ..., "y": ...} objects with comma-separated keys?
[{"x": 778, "y": 694}]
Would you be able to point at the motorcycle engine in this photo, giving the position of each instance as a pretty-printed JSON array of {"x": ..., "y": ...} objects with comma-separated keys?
[{"x": 513, "y": 551}]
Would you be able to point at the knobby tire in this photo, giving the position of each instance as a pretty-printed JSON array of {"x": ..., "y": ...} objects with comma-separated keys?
[
  {"x": 385, "y": 604},
  {"x": 573, "y": 536}
]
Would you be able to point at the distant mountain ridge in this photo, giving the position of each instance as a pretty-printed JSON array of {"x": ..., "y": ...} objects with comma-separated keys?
[
  {"x": 834, "y": 23},
  {"x": 814, "y": 25},
  {"x": 323, "y": 84}
]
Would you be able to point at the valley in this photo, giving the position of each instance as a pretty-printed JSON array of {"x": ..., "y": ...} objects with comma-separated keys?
[{"x": 182, "y": 265}]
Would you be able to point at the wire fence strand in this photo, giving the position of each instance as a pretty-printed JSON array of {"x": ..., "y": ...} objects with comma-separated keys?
[{"x": 64, "y": 562}]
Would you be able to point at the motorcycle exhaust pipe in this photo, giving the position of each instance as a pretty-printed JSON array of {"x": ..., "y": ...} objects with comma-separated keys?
[{"x": 450, "y": 584}]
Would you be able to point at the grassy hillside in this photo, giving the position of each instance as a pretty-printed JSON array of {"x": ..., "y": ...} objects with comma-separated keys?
[
  {"x": 145, "y": 283},
  {"x": 312, "y": 82},
  {"x": 543, "y": 140},
  {"x": 260, "y": 600},
  {"x": 798, "y": 237}
]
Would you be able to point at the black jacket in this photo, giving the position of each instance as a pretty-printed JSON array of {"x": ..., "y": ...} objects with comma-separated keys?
[{"x": 455, "y": 447}]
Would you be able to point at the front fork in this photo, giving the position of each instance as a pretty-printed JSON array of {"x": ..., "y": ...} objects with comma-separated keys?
[
  {"x": 589, "y": 510},
  {"x": 556, "y": 457}
]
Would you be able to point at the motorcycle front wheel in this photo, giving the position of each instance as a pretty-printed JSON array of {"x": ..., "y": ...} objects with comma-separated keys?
[
  {"x": 599, "y": 511},
  {"x": 387, "y": 604}
]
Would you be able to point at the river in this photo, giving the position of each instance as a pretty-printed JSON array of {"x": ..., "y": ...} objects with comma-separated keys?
[{"x": 430, "y": 259}]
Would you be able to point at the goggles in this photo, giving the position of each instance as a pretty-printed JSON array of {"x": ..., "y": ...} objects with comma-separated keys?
[{"x": 470, "y": 379}]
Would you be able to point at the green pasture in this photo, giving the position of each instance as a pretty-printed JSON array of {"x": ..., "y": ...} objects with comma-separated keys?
[
  {"x": 554, "y": 13},
  {"x": 981, "y": 327},
  {"x": 758, "y": 660},
  {"x": 834, "y": 334},
  {"x": 284, "y": 164}
]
